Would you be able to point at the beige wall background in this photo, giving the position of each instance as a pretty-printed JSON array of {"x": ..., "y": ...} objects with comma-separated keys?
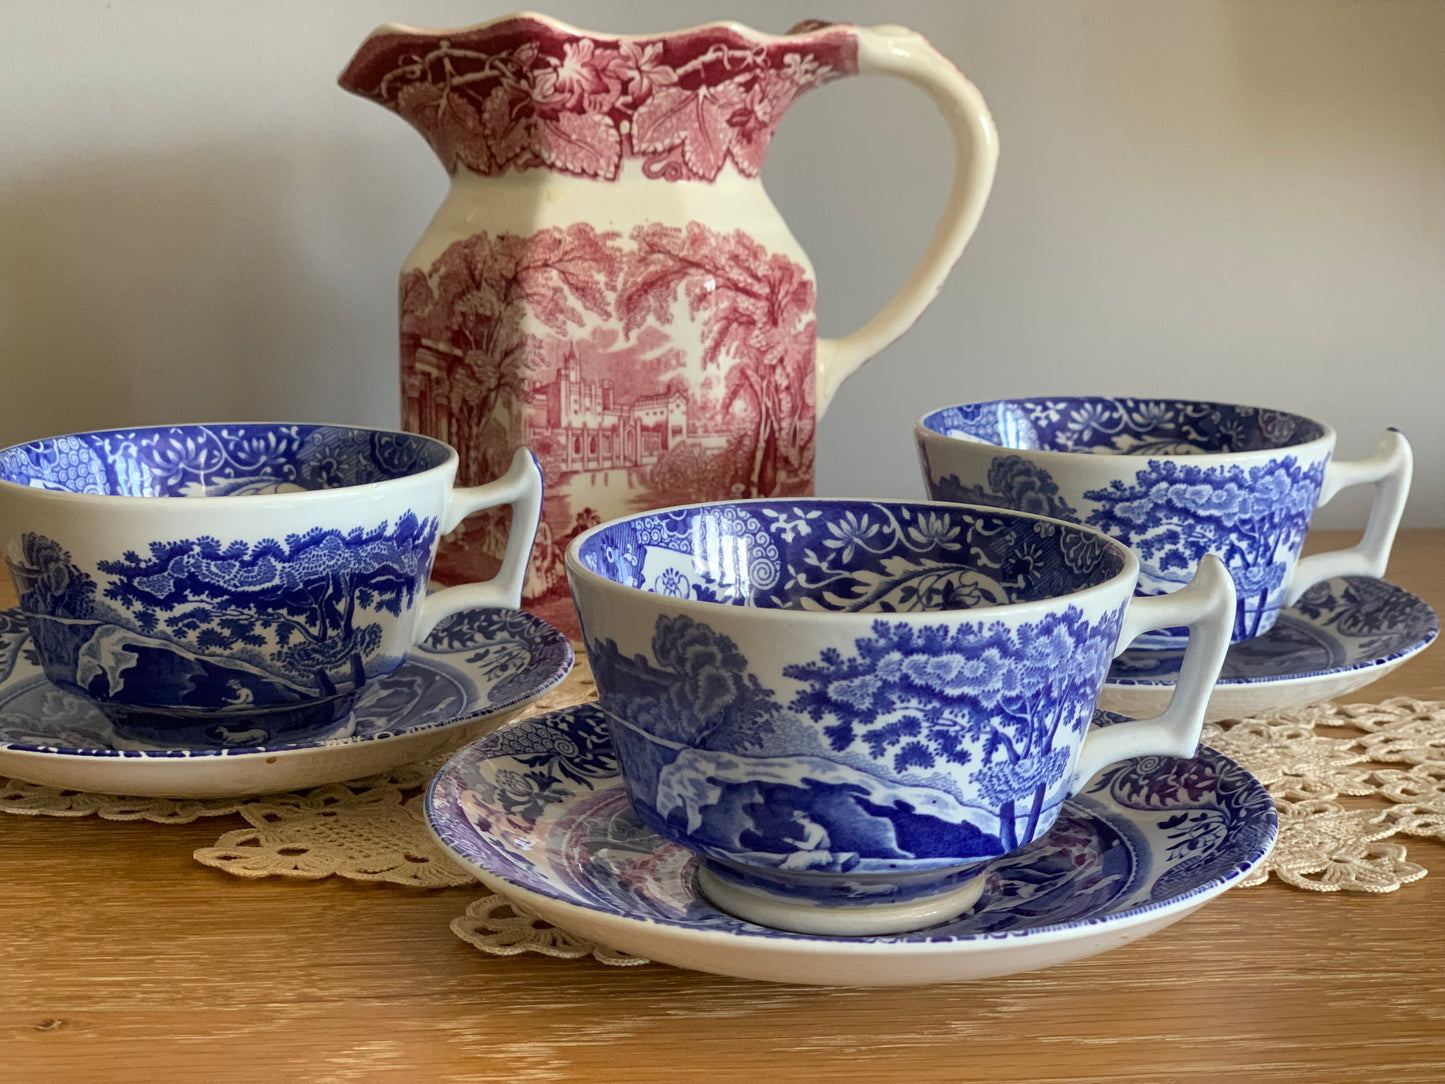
[{"x": 1241, "y": 199}]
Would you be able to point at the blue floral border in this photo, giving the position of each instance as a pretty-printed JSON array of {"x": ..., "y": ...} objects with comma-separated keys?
[
  {"x": 1134, "y": 426},
  {"x": 218, "y": 460}
]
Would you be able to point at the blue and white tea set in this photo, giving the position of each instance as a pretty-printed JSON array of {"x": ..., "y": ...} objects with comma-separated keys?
[
  {"x": 219, "y": 610},
  {"x": 1177, "y": 479},
  {"x": 836, "y": 741}
]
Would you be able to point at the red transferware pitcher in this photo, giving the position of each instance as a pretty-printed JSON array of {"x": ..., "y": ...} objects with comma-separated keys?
[{"x": 607, "y": 281}]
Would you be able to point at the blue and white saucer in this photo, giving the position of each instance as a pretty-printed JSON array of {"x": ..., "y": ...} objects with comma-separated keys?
[
  {"x": 1341, "y": 635},
  {"x": 539, "y": 812},
  {"x": 475, "y": 671}
]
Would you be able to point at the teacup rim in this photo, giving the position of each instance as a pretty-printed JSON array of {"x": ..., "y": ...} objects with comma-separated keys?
[
  {"x": 1128, "y": 573},
  {"x": 1327, "y": 437},
  {"x": 313, "y": 496}
]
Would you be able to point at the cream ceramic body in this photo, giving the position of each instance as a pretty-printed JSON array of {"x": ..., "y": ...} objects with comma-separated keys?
[
  {"x": 1340, "y": 635},
  {"x": 478, "y": 669},
  {"x": 607, "y": 281}
]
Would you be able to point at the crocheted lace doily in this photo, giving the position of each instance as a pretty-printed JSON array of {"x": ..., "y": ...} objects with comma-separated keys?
[
  {"x": 1392, "y": 754},
  {"x": 1347, "y": 781}
]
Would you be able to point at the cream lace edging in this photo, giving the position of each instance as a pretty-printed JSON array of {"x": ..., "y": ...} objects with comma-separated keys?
[{"x": 1346, "y": 779}]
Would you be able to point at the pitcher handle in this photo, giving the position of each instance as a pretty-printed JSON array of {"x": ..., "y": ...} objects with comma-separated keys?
[
  {"x": 1389, "y": 470},
  {"x": 521, "y": 487},
  {"x": 1206, "y": 605},
  {"x": 897, "y": 51}
]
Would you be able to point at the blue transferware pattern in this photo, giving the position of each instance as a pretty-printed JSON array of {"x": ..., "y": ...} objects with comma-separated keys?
[
  {"x": 280, "y": 632},
  {"x": 891, "y": 763},
  {"x": 218, "y": 460},
  {"x": 1172, "y": 514},
  {"x": 1129, "y": 426},
  {"x": 475, "y": 663},
  {"x": 1013, "y": 482},
  {"x": 1253, "y": 517},
  {"x": 1339, "y": 625},
  {"x": 847, "y": 556},
  {"x": 925, "y": 748},
  {"x": 539, "y": 805}
]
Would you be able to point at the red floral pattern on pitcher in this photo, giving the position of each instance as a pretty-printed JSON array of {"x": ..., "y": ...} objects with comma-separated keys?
[
  {"x": 566, "y": 341},
  {"x": 523, "y": 93},
  {"x": 653, "y": 364}
]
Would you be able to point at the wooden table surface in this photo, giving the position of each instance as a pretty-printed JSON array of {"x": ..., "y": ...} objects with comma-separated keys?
[{"x": 122, "y": 959}]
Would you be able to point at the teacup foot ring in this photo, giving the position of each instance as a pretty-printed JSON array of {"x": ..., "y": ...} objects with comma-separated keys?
[{"x": 854, "y": 920}]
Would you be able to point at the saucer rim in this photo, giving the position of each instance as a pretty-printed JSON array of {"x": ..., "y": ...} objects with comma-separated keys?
[
  {"x": 802, "y": 946},
  {"x": 1392, "y": 658},
  {"x": 810, "y": 944},
  {"x": 160, "y": 756}
]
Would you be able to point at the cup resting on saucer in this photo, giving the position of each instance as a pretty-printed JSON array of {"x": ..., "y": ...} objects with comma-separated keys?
[
  {"x": 847, "y": 708},
  {"x": 211, "y": 586},
  {"x": 1174, "y": 480}
]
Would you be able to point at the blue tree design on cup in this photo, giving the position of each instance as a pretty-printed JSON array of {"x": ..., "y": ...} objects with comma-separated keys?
[
  {"x": 48, "y": 582},
  {"x": 701, "y": 691},
  {"x": 1254, "y": 519},
  {"x": 301, "y": 594},
  {"x": 726, "y": 703},
  {"x": 920, "y": 698},
  {"x": 1013, "y": 482}
]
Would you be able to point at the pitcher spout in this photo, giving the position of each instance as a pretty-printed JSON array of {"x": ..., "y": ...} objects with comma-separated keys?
[{"x": 528, "y": 92}]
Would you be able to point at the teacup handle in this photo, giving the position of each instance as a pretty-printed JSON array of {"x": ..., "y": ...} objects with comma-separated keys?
[
  {"x": 898, "y": 51},
  {"x": 521, "y": 487},
  {"x": 1206, "y": 605},
  {"x": 1389, "y": 469}
]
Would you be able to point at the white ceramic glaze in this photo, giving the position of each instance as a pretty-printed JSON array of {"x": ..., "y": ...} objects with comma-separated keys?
[
  {"x": 477, "y": 670},
  {"x": 1341, "y": 635}
]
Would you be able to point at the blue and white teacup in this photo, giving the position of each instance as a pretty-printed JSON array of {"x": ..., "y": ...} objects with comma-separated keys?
[
  {"x": 846, "y": 708},
  {"x": 219, "y": 585},
  {"x": 1174, "y": 479}
]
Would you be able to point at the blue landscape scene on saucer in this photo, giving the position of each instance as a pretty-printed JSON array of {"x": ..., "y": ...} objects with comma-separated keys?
[
  {"x": 1347, "y": 623},
  {"x": 539, "y": 805},
  {"x": 474, "y": 663}
]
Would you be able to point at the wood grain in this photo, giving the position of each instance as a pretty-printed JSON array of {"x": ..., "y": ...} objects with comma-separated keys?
[{"x": 124, "y": 960}]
